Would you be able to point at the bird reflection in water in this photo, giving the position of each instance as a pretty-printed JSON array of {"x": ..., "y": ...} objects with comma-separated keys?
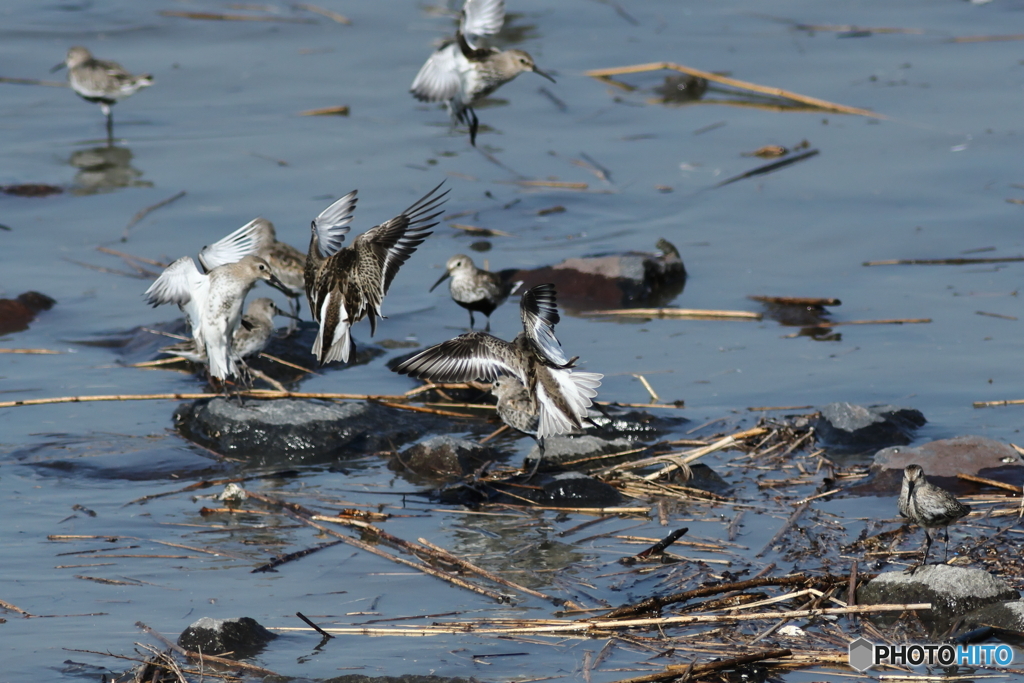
[{"x": 105, "y": 169}]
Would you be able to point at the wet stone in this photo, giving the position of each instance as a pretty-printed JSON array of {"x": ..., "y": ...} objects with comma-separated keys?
[
  {"x": 293, "y": 430},
  {"x": 952, "y": 591},
  {"x": 243, "y": 637},
  {"x": 942, "y": 460},
  {"x": 1008, "y": 616},
  {"x": 563, "y": 449},
  {"x": 573, "y": 489},
  {"x": 612, "y": 280},
  {"x": 443, "y": 458},
  {"x": 849, "y": 428},
  {"x": 635, "y": 424},
  {"x": 17, "y": 313}
]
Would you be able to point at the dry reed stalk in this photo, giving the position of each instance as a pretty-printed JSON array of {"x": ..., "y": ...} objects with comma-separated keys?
[
  {"x": 990, "y": 482},
  {"x": 692, "y": 313},
  {"x": 735, "y": 83},
  {"x": 334, "y": 16},
  {"x": 992, "y": 404},
  {"x": 486, "y": 232},
  {"x": 444, "y": 576},
  {"x": 219, "y": 16},
  {"x": 339, "y": 110},
  {"x": 943, "y": 261},
  {"x": 39, "y": 352},
  {"x": 648, "y": 387}
]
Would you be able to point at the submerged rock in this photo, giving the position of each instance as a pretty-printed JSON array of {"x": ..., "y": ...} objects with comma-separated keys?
[
  {"x": 295, "y": 430},
  {"x": 1008, "y": 616},
  {"x": 942, "y": 460},
  {"x": 612, "y": 280},
  {"x": 849, "y": 428},
  {"x": 563, "y": 451},
  {"x": 16, "y": 314},
  {"x": 573, "y": 489},
  {"x": 443, "y": 457},
  {"x": 952, "y": 592},
  {"x": 239, "y": 638}
]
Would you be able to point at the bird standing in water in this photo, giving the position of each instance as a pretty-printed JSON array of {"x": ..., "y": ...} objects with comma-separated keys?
[
  {"x": 102, "y": 82},
  {"x": 462, "y": 72},
  {"x": 475, "y": 289},
  {"x": 346, "y": 284},
  {"x": 928, "y": 506},
  {"x": 538, "y": 391}
]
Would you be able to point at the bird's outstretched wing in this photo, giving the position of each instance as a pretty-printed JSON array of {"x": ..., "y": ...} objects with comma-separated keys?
[
  {"x": 539, "y": 313},
  {"x": 468, "y": 357},
  {"x": 331, "y": 226}
]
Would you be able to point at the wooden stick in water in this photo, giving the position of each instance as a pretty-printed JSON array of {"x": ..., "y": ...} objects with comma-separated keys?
[
  {"x": 735, "y": 83},
  {"x": 697, "y": 313}
]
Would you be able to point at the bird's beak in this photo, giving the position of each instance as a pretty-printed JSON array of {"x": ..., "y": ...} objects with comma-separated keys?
[
  {"x": 443, "y": 278},
  {"x": 278, "y": 311},
  {"x": 543, "y": 73},
  {"x": 58, "y": 67},
  {"x": 278, "y": 285}
]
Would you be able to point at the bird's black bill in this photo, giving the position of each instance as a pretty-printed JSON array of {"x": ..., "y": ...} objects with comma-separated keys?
[
  {"x": 443, "y": 278},
  {"x": 543, "y": 73},
  {"x": 278, "y": 285},
  {"x": 57, "y": 67}
]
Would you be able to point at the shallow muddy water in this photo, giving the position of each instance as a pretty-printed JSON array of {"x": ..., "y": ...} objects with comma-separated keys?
[{"x": 938, "y": 175}]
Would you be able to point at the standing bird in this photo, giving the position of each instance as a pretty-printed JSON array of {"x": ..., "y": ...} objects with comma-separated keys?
[
  {"x": 250, "y": 337},
  {"x": 538, "y": 392},
  {"x": 928, "y": 506},
  {"x": 96, "y": 80},
  {"x": 462, "y": 72},
  {"x": 212, "y": 302},
  {"x": 475, "y": 289},
  {"x": 346, "y": 284},
  {"x": 287, "y": 262}
]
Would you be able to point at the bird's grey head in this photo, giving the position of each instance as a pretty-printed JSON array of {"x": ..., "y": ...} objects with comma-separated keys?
[
  {"x": 459, "y": 262},
  {"x": 77, "y": 56},
  {"x": 515, "y": 62},
  {"x": 257, "y": 269},
  {"x": 505, "y": 386},
  {"x": 913, "y": 473},
  {"x": 262, "y": 307}
]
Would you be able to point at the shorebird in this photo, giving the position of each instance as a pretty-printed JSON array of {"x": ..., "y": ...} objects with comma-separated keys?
[
  {"x": 462, "y": 72},
  {"x": 212, "y": 302},
  {"x": 250, "y": 337},
  {"x": 346, "y": 284},
  {"x": 99, "y": 81},
  {"x": 287, "y": 262},
  {"x": 475, "y": 289},
  {"x": 538, "y": 391},
  {"x": 928, "y": 506}
]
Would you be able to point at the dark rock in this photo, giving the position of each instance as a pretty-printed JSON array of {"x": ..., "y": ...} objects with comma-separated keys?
[
  {"x": 679, "y": 88},
  {"x": 573, "y": 489},
  {"x": 612, "y": 280},
  {"x": 16, "y": 314},
  {"x": 565, "y": 449},
  {"x": 293, "y": 430},
  {"x": 1007, "y": 616},
  {"x": 635, "y": 424},
  {"x": 31, "y": 190},
  {"x": 242, "y": 637},
  {"x": 443, "y": 457},
  {"x": 952, "y": 591},
  {"x": 849, "y": 428},
  {"x": 944, "y": 459},
  {"x": 702, "y": 477}
]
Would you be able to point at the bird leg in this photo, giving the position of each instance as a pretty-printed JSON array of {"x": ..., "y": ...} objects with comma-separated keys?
[
  {"x": 110, "y": 123},
  {"x": 536, "y": 464},
  {"x": 472, "y": 322},
  {"x": 474, "y": 123},
  {"x": 294, "y": 304}
]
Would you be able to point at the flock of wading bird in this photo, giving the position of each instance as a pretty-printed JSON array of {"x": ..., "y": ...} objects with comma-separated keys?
[
  {"x": 460, "y": 73},
  {"x": 538, "y": 391}
]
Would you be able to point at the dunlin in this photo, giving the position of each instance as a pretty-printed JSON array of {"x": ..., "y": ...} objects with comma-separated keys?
[
  {"x": 250, "y": 337},
  {"x": 287, "y": 262},
  {"x": 928, "y": 506},
  {"x": 212, "y": 302},
  {"x": 475, "y": 289},
  {"x": 346, "y": 284},
  {"x": 96, "y": 80},
  {"x": 462, "y": 72},
  {"x": 540, "y": 380}
]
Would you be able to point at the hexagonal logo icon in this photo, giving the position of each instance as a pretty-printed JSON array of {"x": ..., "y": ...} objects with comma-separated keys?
[{"x": 862, "y": 654}]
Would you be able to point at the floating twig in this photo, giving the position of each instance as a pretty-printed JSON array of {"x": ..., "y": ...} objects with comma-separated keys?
[
  {"x": 993, "y": 404},
  {"x": 989, "y": 482},
  {"x": 784, "y": 528},
  {"x": 145, "y": 212},
  {"x": 768, "y": 168},
  {"x": 251, "y": 393},
  {"x": 996, "y": 315},
  {"x": 743, "y": 85},
  {"x": 795, "y": 300},
  {"x": 557, "y": 184},
  {"x": 688, "y": 672},
  {"x": 759, "y": 409},
  {"x": 340, "y": 110},
  {"x": 316, "y": 628},
  {"x": 987, "y": 39},
  {"x": 889, "y": 321},
  {"x": 219, "y": 16},
  {"x": 659, "y": 547},
  {"x": 282, "y": 559},
  {"x": 695, "y": 313},
  {"x": 481, "y": 232},
  {"x": 943, "y": 261},
  {"x": 334, "y": 16},
  {"x": 35, "y": 352}
]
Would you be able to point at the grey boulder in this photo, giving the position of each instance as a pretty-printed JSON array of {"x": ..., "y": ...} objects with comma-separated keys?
[{"x": 850, "y": 428}]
